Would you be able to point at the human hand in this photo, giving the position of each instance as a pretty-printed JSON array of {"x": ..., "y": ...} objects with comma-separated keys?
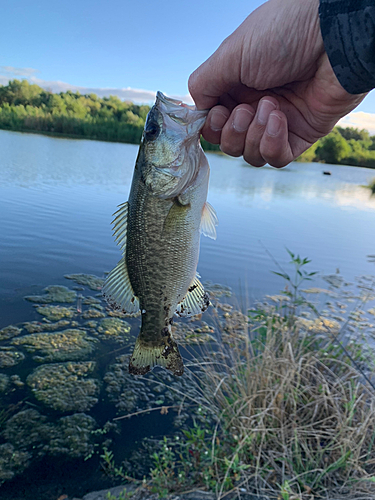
[{"x": 270, "y": 86}]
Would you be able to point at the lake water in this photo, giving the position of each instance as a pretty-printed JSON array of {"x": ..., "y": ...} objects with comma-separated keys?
[{"x": 57, "y": 197}]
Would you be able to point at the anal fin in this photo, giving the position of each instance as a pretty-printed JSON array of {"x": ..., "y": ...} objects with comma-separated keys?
[{"x": 195, "y": 301}]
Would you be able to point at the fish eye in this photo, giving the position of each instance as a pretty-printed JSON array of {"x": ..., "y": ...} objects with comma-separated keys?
[{"x": 152, "y": 130}]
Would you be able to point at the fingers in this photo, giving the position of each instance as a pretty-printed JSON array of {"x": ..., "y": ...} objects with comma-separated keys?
[
  {"x": 274, "y": 145},
  {"x": 233, "y": 135},
  {"x": 216, "y": 119},
  {"x": 260, "y": 137},
  {"x": 256, "y": 130}
]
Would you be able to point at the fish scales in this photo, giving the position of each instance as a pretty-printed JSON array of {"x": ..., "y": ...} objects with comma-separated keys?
[{"x": 159, "y": 230}]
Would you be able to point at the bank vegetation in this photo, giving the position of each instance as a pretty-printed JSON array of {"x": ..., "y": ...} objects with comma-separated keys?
[{"x": 26, "y": 107}]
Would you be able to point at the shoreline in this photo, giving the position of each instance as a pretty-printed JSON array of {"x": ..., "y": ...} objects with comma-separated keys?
[{"x": 59, "y": 135}]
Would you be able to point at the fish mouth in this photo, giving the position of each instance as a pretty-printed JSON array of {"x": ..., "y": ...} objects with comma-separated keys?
[
  {"x": 169, "y": 100},
  {"x": 184, "y": 114}
]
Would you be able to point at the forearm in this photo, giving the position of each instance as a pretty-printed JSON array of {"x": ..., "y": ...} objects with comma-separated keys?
[{"x": 348, "y": 30}]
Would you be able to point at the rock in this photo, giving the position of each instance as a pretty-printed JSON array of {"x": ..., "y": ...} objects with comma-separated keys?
[
  {"x": 9, "y": 357},
  {"x": 114, "y": 329},
  {"x": 37, "y": 326},
  {"x": 54, "y": 293},
  {"x": 104, "y": 494},
  {"x": 73, "y": 436},
  {"x": 89, "y": 280},
  {"x": 4, "y": 382},
  {"x": 9, "y": 332},
  {"x": 92, "y": 313},
  {"x": 56, "y": 313},
  {"x": 12, "y": 462},
  {"x": 64, "y": 386},
  {"x": 93, "y": 302},
  {"x": 67, "y": 345},
  {"x": 28, "y": 429}
]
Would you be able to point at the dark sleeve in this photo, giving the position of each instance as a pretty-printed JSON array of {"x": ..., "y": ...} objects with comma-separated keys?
[{"x": 348, "y": 30}]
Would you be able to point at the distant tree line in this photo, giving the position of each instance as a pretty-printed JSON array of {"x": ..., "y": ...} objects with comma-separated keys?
[
  {"x": 28, "y": 107},
  {"x": 345, "y": 146}
]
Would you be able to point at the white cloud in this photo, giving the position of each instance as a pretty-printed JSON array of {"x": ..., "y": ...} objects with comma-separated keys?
[
  {"x": 138, "y": 96},
  {"x": 359, "y": 119},
  {"x": 11, "y": 71}
]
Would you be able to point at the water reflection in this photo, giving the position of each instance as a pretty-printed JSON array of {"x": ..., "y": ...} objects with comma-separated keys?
[{"x": 57, "y": 197}]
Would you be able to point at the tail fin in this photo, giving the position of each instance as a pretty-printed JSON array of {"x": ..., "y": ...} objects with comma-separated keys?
[{"x": 146, "y": 355}]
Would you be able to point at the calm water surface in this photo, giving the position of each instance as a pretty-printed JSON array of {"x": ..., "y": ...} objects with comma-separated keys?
[
  {"x": 56, "y": 201},
  {"x": 57, "y": 197}
]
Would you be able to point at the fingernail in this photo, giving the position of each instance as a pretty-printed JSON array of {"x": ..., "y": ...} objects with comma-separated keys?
[
  {"x": 242, "y": 119},
  {"x": 218, "y": 119},
  {"x": 265, "y": 108},
  {"x": 273, "y": 124}
]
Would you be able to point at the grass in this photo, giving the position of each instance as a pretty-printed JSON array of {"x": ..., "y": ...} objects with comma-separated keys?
[
  {"x": 279, "y": 411},
  {"x": 291, "y": 419}
]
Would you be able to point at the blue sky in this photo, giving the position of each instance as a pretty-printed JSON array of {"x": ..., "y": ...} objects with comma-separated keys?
[{"x": 116, "y": 44}]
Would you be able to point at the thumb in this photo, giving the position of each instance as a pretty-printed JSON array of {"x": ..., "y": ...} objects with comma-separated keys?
[{"x": 217, "y": 75}]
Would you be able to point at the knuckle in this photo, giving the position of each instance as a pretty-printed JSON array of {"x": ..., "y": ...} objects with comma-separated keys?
[{"x": 192, "y": 83}]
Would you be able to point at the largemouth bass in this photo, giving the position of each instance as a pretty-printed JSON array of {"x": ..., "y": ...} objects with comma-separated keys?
[{"x": 158, "y": 231}]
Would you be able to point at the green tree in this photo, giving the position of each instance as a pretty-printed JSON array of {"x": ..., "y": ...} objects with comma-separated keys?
[{"x": 332, "y": 148}]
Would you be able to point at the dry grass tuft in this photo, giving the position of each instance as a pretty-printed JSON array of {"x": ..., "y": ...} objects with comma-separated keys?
[{"x": 294, "y": 420}]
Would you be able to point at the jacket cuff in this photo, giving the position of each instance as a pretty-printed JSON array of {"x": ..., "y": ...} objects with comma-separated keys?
[{"x": 348, "y": 31}]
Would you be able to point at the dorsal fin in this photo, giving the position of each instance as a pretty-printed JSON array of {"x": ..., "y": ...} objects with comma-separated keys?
[
  {"x": 120, "y": 225},
  {"x": 117, "y": 289},
  {"x": 195, "y": 301},
  {"x": 209, "y": 221}
]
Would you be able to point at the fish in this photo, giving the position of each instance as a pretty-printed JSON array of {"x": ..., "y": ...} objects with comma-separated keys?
[{"x": 158, "y": 230}]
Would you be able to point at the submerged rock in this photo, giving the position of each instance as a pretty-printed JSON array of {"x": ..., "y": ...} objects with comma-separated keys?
[
  {"x": 45, "y": 326},
  {"x": 4, "y": 382},
  {"x": 12, "y": 462},
  {"x": 334, "y": 280},
  {"x": 216, "y": 290},
  {"x": 32, "y": 432},
  {"x": 319, "y": 325},
  {"x": 73, "y": 436},
  {"x": 9, "y": 357},
  {"x": 17, "y": 382},
  {"x": 132, "y": 394},
  {"x": 64, "y": 386},
  {"x": 67, "y": 345},
  {"x": 93, "y": 302},
  {"x": 28, "y": 430},
  {"x": 186, "y": 334},
  {"x": 92, "y": 313},
  {"x": 114, "y": 329},
  {"x": 9, "y": 332},
  {"x": 54, "y": 293},
  {"x": 89, "y": 280},
  {"x": 56, "y": 313}
]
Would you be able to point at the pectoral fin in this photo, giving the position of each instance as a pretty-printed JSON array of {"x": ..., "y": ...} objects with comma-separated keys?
[
  {"x": 209, "y": 221},
  {"x": 118, "y": 290},
  {"x": 195, "y": 301}
]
